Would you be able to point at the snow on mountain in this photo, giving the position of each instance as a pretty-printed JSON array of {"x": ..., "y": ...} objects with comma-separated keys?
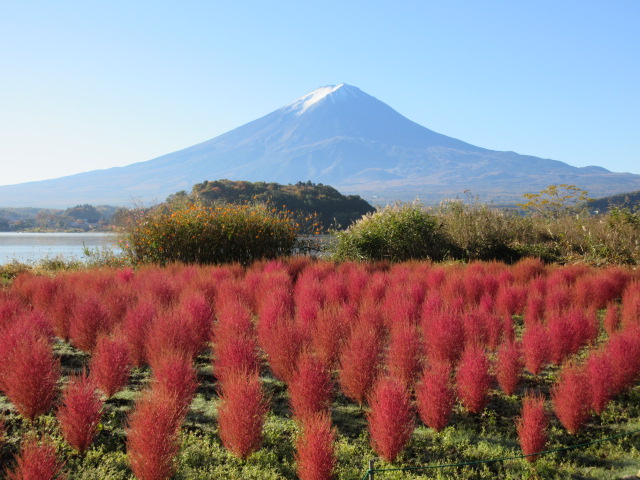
[{"x": 337, "y": 135}]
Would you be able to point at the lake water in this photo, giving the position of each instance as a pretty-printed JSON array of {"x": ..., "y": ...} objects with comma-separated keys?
[{"x": 31, "y": 247}]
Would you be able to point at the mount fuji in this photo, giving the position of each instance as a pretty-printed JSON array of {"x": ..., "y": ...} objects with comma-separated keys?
[{"x": 337, "y": 135}]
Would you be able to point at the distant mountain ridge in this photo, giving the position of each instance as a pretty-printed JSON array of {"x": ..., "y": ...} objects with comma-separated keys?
[{"x": 336, "y": 135}]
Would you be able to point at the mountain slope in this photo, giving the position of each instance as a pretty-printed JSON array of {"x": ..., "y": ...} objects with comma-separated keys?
[{"x": 336, "y": 135}]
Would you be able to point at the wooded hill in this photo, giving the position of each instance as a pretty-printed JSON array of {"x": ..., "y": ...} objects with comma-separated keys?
[
  {"x": 629, "y": 200},
  {"x": 333, "y": 208}
]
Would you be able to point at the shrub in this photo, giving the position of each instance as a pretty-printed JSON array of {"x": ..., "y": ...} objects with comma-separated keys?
[
  {"x": 359, "y": 361},
  {"x": 152, "y": 436},
  {"x": 311, "y": 388},
  {"x": 241, "y": 414},
  {"x": 234, "y": 354},
  {"x": 435, "y": 396},
  {"x": 600, "y": 375},
  {"x": 532, "y": 426},
  {"x": 37, "y": 461},
  {"x": 30, "y": 377},
  {"x": 404, "y": 354},
  {"x": 473, "y": 379},
  {"x": 396, "y": 233},
  {"x": 444, "y": 336},
  {"x": 391, "y": 418},
  {"x": 110, "y": 364},
  {"x": 315, "y": 453},
  {"x": 89, "y": 320},
  {"x": 198, "y": 234},
  {"x": 571, "y": 399},
  {"x": 282, "y": 341},
  {"x": 80, "y": 413},
  {"x": 535, "y": 348},
  {"x": 175, "y": 378},
  {"x": 478, "y": 231},
  {"x": 509, "y": 366},
  {"x": 136, "y": 330}
]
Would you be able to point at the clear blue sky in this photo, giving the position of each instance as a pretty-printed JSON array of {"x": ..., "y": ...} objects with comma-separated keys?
[{"x": 89, "y": 85}]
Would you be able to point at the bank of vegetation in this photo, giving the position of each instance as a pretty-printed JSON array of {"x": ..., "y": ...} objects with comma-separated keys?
[{"x": 304, "y": 368}]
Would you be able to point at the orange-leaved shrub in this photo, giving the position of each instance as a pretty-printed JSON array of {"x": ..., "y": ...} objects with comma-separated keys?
[{"x": 199, "y": 234}]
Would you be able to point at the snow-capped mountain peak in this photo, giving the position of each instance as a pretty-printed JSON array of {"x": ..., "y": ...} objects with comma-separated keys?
[{"x": 302, "y": 104}]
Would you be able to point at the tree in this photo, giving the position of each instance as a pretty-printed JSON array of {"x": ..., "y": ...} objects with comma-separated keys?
[{"x": 555, "y": 200}]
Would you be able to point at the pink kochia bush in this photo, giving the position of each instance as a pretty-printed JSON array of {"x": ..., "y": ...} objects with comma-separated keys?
[
  {"x": 241, "y": 414},
  {"x": 37, "y": 461},
  {"x": 571, "y": 398},
  {"x": 110, "y": 364},
  {"x": 80, "y": 412},
  {"x": 600, "y": 375},
  {"x": 473, "y": 379},
  {"x": 532, "y": 426},
  {"x": 509, "y": 366},
  {"x": 311, "y": 388},
  {"x": 359, "y": 361},
  {"x": 174, "y": 377},
  {"x": 315, "y": 452},
  {"x": 152, "y": 436},
  {"x": 391, "y": 418},
  {"x": 435, "y": 396},
  {"x": 30, "y": 373},
  {"x": 404, "y": 353},
  {"x": 535, "y": 348}
]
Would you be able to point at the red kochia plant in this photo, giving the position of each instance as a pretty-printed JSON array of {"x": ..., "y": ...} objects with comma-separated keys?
[
  {"x": 444, "y": 336},
  {"x": 509, "y": 366},
  {"x": 173, "y": 331},
  {"x": 612, "y": 318},
  {"x": 331, "y": 327},
  {"x": 89, "y": 319},
  {"x": 571, "y": 398},
  {"x": 535, "y": 347},
  {"x": 111, "y": 364},
  {"x": 359, "y": 361},
  {"x": 404, "y": 353},
  {"x": 175, "y": 378},
  {"x": 473, "y": 379},
  {"x": 241, "y": 414},
  {"x": 80, "y": 412},
  {"x": 391, "y": 418},
  {"x": 532, "y": 426},
  {"x": 282, "y": 341},
  {"x": 315, "y": 454},
  {"x": 234, "y": 354},
  {"x": 37, "y": 461},
  {"x": 30, "y": 376},
  {"x": 623, "y": 351},
  {"x": 135, "y": 328},
  {"x": 435, "y": 396},
  {"x": 311, "y": 388},
  {"x": 152, "y": 436},
  {"x": 600, "y": 375}
]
